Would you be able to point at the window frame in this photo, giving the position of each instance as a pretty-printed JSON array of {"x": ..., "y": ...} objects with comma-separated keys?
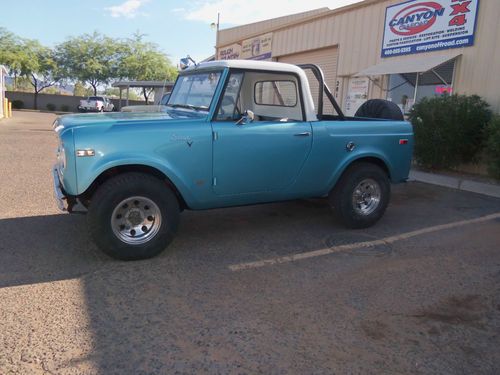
[
  {"x": 223, "y": 93},
  {"x": 194, "y": 72},
  {"x": 275, "y": 105},
  {"x": 244, "y": 71}
]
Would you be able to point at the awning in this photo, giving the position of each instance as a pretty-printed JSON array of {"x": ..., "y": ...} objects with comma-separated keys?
[{"x": 418, "y": 64}]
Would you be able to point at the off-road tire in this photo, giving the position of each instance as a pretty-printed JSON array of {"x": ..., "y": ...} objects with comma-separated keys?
[
  {"x": 108, "y": 197},
  {"x": 341, "y": 197},
  {"x": 380, "y": 109}
]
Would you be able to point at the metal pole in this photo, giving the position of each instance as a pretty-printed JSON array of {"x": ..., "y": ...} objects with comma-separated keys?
[{"x": 416, "y": 88}]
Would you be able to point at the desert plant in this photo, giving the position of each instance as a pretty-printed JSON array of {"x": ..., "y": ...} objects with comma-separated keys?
[
  {"x": 51, "y": 107},
  {"x": 65, "y": 108},
  {"x": 17, "y": 104},
  {"x": 493, "y": 147},
  {"x": 449, "y": 130}
]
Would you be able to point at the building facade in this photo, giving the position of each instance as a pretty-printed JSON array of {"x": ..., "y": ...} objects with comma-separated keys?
[{"x": 391, "y": 49}]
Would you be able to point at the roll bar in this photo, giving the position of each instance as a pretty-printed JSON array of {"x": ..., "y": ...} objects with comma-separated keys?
[{"x": 323, "y": 88}]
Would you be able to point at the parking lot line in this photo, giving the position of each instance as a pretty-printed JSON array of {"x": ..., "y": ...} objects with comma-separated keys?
[{"x": 359, "y": 245}]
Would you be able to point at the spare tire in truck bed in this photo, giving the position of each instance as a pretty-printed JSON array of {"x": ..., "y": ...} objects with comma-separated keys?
[{"x": 380, "y": 108}]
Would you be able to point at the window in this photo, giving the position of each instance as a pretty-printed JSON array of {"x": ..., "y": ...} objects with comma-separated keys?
[
  {"x": 230, "y": 105},
  {"x": 194, "y": 90},
  {"x": 277, "y": 93}
]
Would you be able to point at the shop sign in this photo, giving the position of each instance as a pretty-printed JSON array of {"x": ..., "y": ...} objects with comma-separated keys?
[
  {"x": 443, "y": 89},
  {"x": 357, "y": 94},
  {"x": 423, "y": 26},
  {"x": 231, "y": 52},
  {"x": 259, "y": 48}
]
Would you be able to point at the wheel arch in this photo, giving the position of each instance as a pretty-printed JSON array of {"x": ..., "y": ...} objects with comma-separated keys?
[
  {"x": 373, "y": 159},
  {"x": 111, "y": 172}
]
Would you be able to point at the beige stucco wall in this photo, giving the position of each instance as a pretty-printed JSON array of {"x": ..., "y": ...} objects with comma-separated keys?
[{"x": 357, "y": 30}]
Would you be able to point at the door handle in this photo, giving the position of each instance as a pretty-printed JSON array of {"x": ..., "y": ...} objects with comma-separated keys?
[{"x": 304, "y": 134}]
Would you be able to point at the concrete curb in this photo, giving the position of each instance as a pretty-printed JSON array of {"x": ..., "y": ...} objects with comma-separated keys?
[{"x": 491, "y": 190}]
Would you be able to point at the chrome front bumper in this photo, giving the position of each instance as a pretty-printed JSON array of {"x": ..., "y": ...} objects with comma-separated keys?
[{"x": 61, "y": 200}]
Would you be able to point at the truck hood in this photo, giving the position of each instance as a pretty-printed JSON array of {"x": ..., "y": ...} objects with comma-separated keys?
[{"x": 100, "y": 119}]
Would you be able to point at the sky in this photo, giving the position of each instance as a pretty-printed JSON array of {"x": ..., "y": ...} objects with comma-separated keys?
[{"x": 178, "y": 27}]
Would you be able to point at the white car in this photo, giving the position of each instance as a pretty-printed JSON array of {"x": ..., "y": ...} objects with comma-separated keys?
[{"x": 96, "y": 104}]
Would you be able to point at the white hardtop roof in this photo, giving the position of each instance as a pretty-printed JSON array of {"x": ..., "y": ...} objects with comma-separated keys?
[
  {"x": 247, "y": 64},
  {"x": 265, "y": 66}
]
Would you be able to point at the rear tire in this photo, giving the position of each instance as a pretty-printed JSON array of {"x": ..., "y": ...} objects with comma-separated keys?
[
  {"x": 361, "y": 195},
  {"x": 133, "y": 216}
]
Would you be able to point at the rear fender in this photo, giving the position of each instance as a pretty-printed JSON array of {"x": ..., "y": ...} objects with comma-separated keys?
[{"x": 374, "y": 156}]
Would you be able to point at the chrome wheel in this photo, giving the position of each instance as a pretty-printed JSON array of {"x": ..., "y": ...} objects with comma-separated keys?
[
  {"x": 136, "y": 220},
  {"x": 366, "y": 197}
]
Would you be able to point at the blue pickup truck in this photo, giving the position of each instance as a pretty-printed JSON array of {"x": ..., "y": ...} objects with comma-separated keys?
[{"x": 232, "y": 133}]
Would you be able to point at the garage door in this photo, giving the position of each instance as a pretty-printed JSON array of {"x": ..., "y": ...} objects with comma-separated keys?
[{"x": 326, "y": 59}]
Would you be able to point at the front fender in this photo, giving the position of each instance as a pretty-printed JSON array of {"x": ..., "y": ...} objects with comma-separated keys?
[{"x": 89, "y": 170}]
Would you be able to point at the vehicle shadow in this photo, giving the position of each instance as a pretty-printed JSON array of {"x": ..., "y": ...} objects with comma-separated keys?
[
  {"x": 56, "y": 247},
  {"x": 45, "y": 248},
  {"x": 184, "y": 311}
]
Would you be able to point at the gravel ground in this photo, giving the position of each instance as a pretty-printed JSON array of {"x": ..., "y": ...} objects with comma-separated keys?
[{"x": 424, "y": 305}]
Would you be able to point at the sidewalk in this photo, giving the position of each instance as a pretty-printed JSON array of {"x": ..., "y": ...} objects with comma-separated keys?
[{"x": 490, "y": 189}]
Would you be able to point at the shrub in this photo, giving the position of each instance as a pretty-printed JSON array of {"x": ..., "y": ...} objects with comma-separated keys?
[
  {"x": 51, "y": 107},
  {"x": 493, "y": 147},
  {"x": 17, "y": 104},
  {"x": 449, "y": 130},
  {"x": 65, "y": 108}
]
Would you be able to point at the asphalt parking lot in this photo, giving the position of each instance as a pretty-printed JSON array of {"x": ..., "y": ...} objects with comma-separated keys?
[{"x": 235, "y": 294}]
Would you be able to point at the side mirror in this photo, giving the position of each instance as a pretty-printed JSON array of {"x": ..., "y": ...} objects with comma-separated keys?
[
  {"x": 248, "y": 116},
  {"x": 186, "y": 62}
]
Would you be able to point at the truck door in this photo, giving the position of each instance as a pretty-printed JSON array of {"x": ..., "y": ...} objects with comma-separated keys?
[{"x": 266, "y": 154}]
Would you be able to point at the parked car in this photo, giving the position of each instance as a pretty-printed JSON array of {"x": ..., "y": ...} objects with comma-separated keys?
[
  {"x": 148, "y": 108},
  {"x": 234, "y": 133},
  {"x": 96, "y": 104}
]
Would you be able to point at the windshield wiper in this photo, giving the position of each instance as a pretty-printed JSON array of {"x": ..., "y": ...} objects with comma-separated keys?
[{"x": 189, "y": 106}]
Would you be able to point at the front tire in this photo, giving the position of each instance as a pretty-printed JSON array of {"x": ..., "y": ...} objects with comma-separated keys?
[
  {"x": 133, "y": 216},
  {"x": 361, "y": 196}
]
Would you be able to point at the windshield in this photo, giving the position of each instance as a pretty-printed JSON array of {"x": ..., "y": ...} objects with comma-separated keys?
[{"x": 194, "y": 91}]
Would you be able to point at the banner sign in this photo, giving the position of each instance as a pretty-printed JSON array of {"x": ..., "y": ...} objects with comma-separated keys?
[
  {"x": 259, "y": 48},
  {"x": 422, "y": 26},
  {"x": 232, "y": 52}
]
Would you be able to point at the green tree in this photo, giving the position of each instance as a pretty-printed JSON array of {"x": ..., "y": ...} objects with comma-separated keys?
[
  {"x": 143, "y": 61},
  {"x": 39, "y": 66},
  {"x": 82, "y": 90},
  {"x": 28, "y": 58},
  {"x": 11, "y": 53},
  {"x": 89, "y": 58}
]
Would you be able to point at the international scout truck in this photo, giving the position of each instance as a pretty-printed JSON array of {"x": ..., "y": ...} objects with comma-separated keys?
[{"x": 232, "y": 133}]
